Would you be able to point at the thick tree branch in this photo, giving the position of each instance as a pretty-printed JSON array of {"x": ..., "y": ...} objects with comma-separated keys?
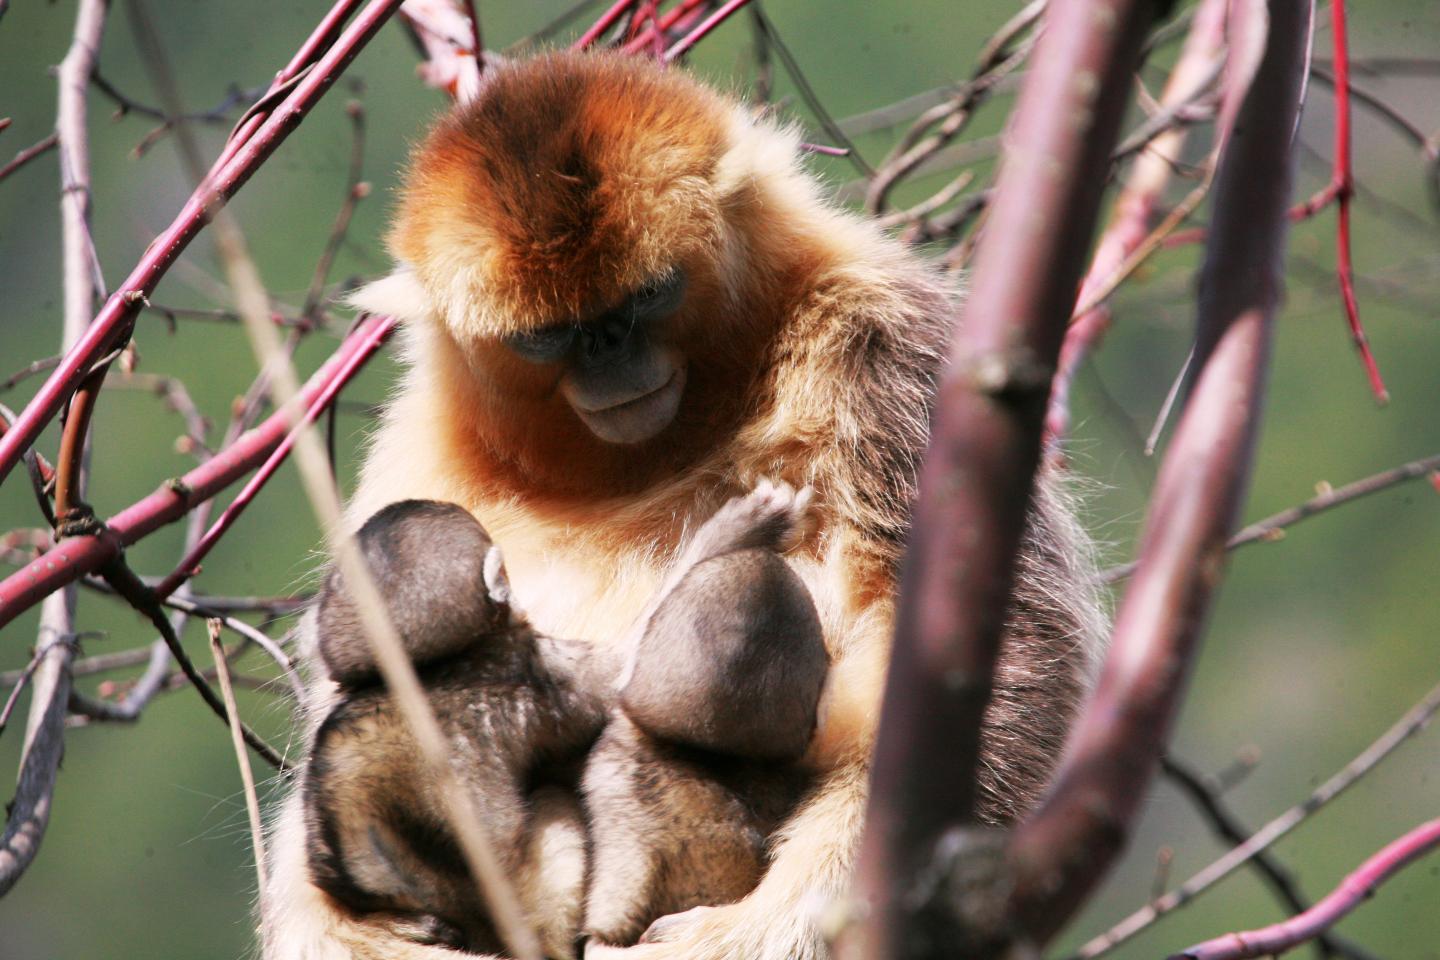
[
  {"x": 975, "y": 482},
  {"x": 28, "y": 814},
  {"x": 1060, "y": 854}
]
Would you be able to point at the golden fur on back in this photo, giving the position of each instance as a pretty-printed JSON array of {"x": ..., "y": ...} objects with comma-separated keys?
[{"x": 814, "y": 343}]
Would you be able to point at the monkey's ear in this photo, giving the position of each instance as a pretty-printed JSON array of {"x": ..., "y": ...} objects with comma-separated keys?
[
  {"x": 497, "y": 583},
  {"x": 400, "y": 294}
]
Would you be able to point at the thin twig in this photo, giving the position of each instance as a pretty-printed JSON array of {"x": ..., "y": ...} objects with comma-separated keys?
[
  {"x": 1276, "y": 876},
  {"x": 1354, "y": 890},
  {"x": 1272, "y": 527},
  {"x": 260, "y": 133},
  {"x": 242, "y": 759},
  {"x": 142, "y": 598},
  {"x": 355, "y": 191},
  {"x": 765, "y": 26},
  {"x": 1414, "y": 720},
  {"x": 1003, "y": 54},
  {"x": 39, "y": 148},
  {"x": 29, "y": 370}
]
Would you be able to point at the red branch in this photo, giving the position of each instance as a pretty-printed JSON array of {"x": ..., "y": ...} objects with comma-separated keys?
[
  {"x": 1135, "y": 209},
  {"x": 367, "y": 343},
  {"x": 1343, "y": 181},
  {"x": 256, "y": 139},
  {"x": 607, "y": 19},
  {"x": 687, "y": 10},
  {"x": 1065, "y": 848},
  {"x": 1339, "y": 191},
  {"x": 683, "y": 45},
  {"x": 75, "y": 557},
  {"x": 1352, "y": 891},
  {"x": 976, "y": 479}
]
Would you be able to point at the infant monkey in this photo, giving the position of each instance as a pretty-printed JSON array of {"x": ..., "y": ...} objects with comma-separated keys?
[{"x": 692, "y": 771}]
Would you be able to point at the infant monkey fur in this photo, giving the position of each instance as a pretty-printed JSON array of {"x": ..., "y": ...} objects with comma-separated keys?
[{"x": 698, "y": 731}]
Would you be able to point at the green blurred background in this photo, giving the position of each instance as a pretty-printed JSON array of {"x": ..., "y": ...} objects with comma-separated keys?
[{"x": 1319, "y": 642}]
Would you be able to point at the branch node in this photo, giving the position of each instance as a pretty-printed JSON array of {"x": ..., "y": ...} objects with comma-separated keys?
[
  {"x": 1007, "y": 375},
  {"x": 79, "y": 521}
]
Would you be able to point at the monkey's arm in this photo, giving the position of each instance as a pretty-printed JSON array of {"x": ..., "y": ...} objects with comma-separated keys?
[{"x": 778, "y": 920}]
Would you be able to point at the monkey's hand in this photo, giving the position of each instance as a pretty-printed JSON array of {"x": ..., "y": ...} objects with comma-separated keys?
[{"x": 769, "y": 517}]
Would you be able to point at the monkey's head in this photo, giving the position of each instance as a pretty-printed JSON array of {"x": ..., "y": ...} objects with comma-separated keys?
[{"x": 576, "y": 230}]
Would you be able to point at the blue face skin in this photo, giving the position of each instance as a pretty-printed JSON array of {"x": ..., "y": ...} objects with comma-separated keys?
[
  {"x": 623, "y": 385},
  {"x": 603, "y": 338}
]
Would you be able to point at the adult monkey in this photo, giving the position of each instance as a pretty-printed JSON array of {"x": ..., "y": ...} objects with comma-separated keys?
[{"x": 624, "y": 303}]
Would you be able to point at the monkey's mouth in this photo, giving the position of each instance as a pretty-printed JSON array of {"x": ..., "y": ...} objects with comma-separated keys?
[{"x": 639, "y": 418}]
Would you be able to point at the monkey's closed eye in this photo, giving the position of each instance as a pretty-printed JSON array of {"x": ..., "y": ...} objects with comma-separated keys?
[
  {"x": 545, "y": 345},
  {"x": 660, "y": 296}
]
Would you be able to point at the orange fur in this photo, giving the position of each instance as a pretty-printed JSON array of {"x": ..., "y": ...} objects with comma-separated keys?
[{"x": 813, "y": 343}]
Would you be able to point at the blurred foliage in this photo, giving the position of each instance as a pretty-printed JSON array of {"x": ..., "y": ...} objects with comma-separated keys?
[{"x": 1317, "y": 644}]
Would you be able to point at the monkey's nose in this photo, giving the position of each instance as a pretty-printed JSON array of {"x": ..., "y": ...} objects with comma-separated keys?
[{"x": 609, "y": 340}]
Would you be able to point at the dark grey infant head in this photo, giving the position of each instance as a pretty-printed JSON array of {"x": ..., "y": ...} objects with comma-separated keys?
[
  {"x": 428, "y": 559},
  {"x": 733, "y": 660}
]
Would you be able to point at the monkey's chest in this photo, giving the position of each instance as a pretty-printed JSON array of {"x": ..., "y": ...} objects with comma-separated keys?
[{"x": 582, "y": 597}]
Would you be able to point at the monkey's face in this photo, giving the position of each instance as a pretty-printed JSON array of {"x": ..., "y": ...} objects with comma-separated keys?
[
  {"x": 620, "y": 370},
  {"x": 575, "y": 236}
]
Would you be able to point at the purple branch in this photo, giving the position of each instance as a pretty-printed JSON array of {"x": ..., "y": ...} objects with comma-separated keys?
[
  {"x": 1061, "y": 853},
  {"x": 976, "y": 479}
]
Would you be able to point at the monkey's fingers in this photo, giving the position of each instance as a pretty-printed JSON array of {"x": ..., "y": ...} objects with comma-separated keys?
[{"x": 768, "y": 517}]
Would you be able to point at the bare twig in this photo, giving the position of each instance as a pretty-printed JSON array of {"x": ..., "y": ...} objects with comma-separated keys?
[
  {"x": 298, "y": 88},
  {"x": 683, "y": 45},
  {"x": 142, "y": 598},
  {"x": 1276, "y": 876},
  {"x": 1414, "y": 721},
  {"x": 355, "y": 191},
  {"x": 1353, "y": 890},
  {"x": 559, "y": 23},
  {"x": 766, "y": 27},
  {"x": 1003, "y": 54},
  {"x": 242, "y": 759},
  {"x": 606, "y": 21},
  {"x": 1272, "y": 527},
  {"x": 28, "y": 371},
  {"x": 39, "y": 148}
]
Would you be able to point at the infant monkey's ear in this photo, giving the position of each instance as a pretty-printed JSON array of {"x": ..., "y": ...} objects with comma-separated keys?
[
  {"x": 732, "y": 661},
  {"x": 429, "y": 560}
]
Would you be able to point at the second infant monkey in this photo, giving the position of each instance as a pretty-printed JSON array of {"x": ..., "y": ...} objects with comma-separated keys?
[{"x": 684, "y": 787}]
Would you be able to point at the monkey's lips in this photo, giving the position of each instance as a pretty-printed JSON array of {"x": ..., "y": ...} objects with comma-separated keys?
[{"x": 639, "y": 418}]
